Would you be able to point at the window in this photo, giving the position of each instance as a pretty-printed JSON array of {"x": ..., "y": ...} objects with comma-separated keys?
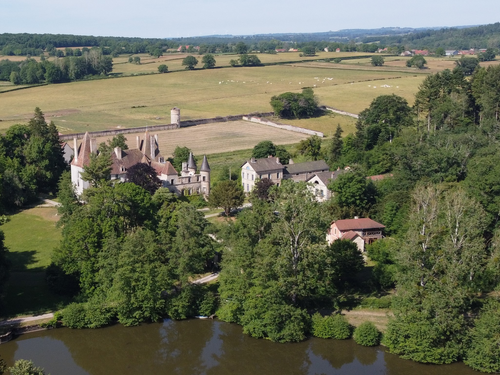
[
  {"x": 278, "y": 175},
  {"x": 248, "y": 187},
  {"x": 172, "y": 181},
  {"x": 252, "y": 177},
  {"x": 204, "y": 180},
  {"x": 189, "y": 180},
  {"x": 269, "y": 176}
]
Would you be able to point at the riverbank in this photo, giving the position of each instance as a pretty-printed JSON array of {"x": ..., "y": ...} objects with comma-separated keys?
[{"x": 203, "y": 347}]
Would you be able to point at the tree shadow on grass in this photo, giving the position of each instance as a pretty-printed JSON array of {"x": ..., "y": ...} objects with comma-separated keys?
[
  {"x": 20, "y": 260},
  {"x": 27, "y": 293}
]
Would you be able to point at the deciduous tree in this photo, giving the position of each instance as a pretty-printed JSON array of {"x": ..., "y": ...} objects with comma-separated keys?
[
  {"x": 145, "y": 176},
  {"x": 377, "y": 60},
  {"x": 227, "y": 194},
  {"x": 208, "y": 61},
  {"x": 190, "y": 62}
]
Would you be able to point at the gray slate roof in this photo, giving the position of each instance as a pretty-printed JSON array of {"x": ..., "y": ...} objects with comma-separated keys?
[
  {"x": 204, "y": 166},
  {"x": 326, "y": 177},
  {"x": 307, "y": 167},
  {"x": 191, "y": 162},
  {"x": 265, "y": 165}
]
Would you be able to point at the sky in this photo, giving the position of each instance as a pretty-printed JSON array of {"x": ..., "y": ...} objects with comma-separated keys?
[{"x": 185, "y": 18}]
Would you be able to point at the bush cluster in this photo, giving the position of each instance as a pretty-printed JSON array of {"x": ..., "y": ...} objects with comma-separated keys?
[
  {"x": 331, "y": 327},
  {"x": 367, "y": 334}
]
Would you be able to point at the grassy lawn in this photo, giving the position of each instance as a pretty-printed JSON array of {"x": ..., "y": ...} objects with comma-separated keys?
[
  {"x": 325, "y": 124},
  {"x": 31, "y": 236}
]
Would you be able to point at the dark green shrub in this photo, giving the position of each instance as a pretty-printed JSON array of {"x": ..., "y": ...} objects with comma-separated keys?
[
  {"x": 377, "y": 303},
  {"x": 208, "y": 304},
  {"x": 483, "y": 352},
  {"x": 74, "y": 315},
  {"x": 264, "y": 318},
  {"x": 367, "y": 334},
  {"x": 98, "y": 314},
  {"x": 331, "y": 327}
]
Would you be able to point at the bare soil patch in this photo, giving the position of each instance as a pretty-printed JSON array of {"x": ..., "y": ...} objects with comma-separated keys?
[{"x": 378, "y": 317}]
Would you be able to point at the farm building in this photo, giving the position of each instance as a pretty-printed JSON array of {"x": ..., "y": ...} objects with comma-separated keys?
[
  {"x": 361, "y": 231},
  {"x": 271, "y": 168}
]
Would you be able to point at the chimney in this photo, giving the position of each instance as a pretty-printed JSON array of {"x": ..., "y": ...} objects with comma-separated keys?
[
  {"x": 152, "y": 140},
  {"x": 75, "y": 151},
  {"x": 356, "y": 217},
  {"x": 269, "y": 156},
  {"x": 118, "y": 153},
  {"x": 252, "y": 160},
  {"x": 290, "y": 162},
  {"x": 156, "y": 138},
  {"x": 277, "y": 160},
  {"x": 93, "y": 145},
  {"x": 138, "y": 142}
]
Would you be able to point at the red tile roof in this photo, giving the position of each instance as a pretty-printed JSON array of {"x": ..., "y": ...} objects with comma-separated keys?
[
  {"x": 357, "y": 224},
  {"x": 380, "y": 176},
  {"x": 350, "y": 235}
]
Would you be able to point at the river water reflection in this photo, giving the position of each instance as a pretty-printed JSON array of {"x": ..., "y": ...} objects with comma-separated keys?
[{"x": 202, "y": 347}]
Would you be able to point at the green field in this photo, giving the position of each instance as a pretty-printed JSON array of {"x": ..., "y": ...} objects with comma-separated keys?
[
  {"x": 147, "y": 100},
  {"x": 31, "y": 236}
]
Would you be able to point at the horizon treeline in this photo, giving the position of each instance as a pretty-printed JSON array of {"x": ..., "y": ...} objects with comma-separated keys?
[{"x": 484, "y": 36}]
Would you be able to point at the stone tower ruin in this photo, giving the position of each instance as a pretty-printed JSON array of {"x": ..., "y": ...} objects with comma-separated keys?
[{"x": 175, "y": 116}]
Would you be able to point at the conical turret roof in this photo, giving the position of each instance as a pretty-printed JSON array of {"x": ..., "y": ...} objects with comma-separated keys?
[
  {"x": 191, "y": 163},
  {"x": 204, "y": 166},
  {"x": 83, "y": 152}
]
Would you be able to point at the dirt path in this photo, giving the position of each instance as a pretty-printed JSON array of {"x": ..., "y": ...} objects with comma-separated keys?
[
  {"x": 206, "y": 279},
  {"x": 26, "y": 319}
]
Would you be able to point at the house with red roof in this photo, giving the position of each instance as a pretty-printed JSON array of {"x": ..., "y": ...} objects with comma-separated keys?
[{"x": 361, "y": 231}]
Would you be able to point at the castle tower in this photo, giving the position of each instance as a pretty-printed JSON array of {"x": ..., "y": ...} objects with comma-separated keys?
[
  {"x": 205, "y": 176},
  {"x": 175, "y": 116},
  {"x": 80, "y": 161},
  {"x": 191, "y": 164}
]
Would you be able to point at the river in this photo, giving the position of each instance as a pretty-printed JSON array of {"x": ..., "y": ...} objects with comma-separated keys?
[{"x": 198, "y": 347}]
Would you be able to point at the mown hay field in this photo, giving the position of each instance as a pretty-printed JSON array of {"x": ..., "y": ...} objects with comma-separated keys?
[
  {"x": 147, "y": 100},
  {"x": 217, "y": 137}
]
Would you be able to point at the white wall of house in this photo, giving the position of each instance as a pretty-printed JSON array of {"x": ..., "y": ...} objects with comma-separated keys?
[
  {"x": 77, "y": 181},
  {"x": 319, "y": 189},
  {"x": 248, "y": 177}
]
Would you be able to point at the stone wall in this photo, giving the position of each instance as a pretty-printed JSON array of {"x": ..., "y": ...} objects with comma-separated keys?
[{"x": 282, "y": 126}]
